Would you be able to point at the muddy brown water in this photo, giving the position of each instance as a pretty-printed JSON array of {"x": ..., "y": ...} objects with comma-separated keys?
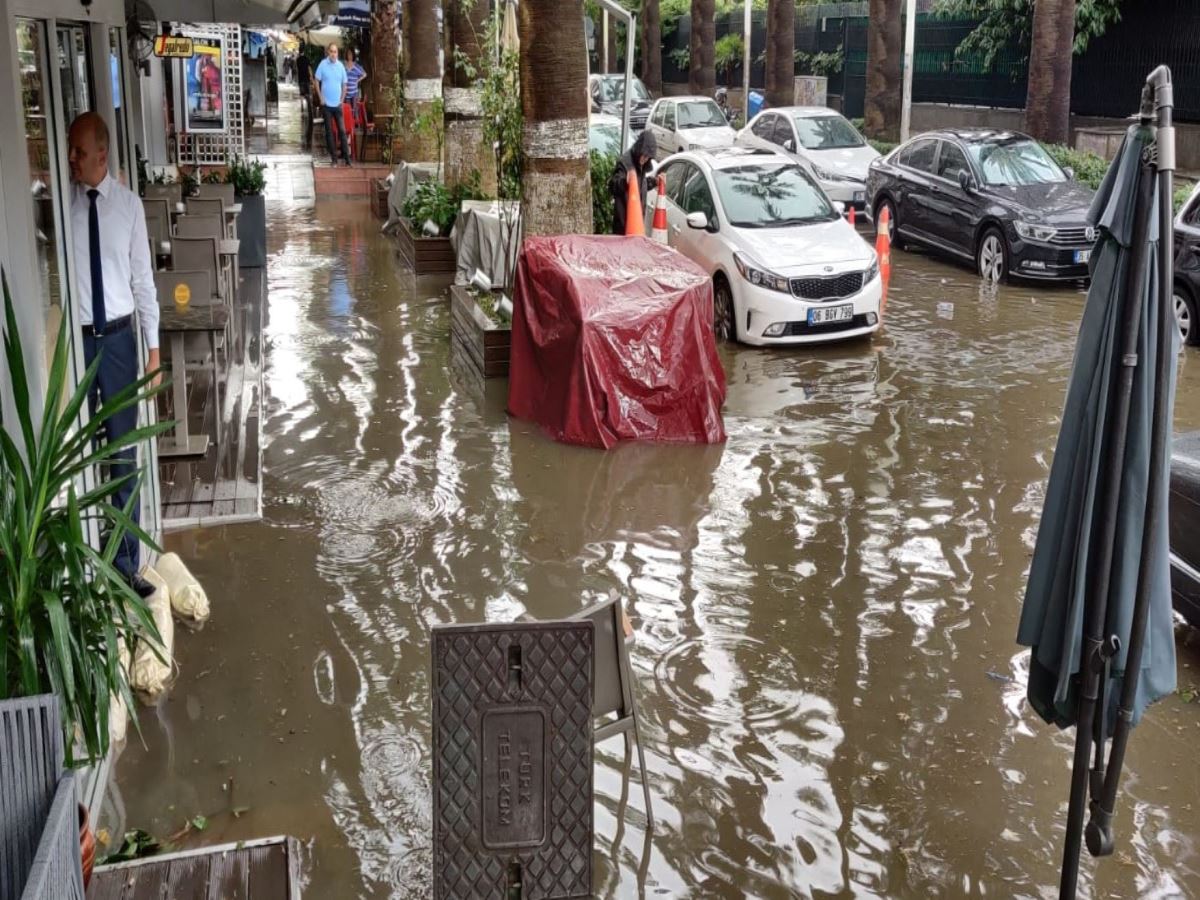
[{"x": 825, "y": 606}]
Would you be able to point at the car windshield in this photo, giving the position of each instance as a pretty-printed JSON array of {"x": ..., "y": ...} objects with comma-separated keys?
[
  {"x": 613, "y": 89},
  {"x": 771, "y": 197},
  {"x": 701, "y": 114},
  {"x": 1015, "y": 163},
  {"x": 605, "y": 139},
  {"x": 826, "y": 133}
]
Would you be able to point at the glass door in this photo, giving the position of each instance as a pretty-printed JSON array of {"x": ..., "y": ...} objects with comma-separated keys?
[{"x": 72, "y": 45}]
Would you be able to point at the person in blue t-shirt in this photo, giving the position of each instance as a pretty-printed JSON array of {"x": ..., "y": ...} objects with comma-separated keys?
[
  {"x": 333, "y": 84},
  {"x": 355, "y": 75}
]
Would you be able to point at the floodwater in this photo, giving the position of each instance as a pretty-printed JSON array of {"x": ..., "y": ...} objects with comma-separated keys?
[{"x": 825, "y": 606}]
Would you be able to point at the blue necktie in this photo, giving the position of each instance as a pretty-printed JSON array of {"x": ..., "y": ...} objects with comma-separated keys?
[{"x": 98, "y": 318}]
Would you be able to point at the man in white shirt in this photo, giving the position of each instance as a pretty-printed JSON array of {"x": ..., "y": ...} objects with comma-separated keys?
[{"x": 114, "y": 278}]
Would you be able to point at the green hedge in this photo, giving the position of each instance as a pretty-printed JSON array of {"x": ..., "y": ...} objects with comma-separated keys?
[
  {"x": 1089, "y": 167},
  {"x": 602, "y": 202}
]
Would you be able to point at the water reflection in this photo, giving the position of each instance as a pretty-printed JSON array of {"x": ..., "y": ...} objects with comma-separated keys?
[{"x": 825, "y": 605}]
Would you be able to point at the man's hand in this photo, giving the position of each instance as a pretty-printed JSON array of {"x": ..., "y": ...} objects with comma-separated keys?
[{"x": 153, "y": 364}]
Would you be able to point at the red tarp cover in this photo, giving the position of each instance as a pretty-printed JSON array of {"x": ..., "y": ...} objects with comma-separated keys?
[{"x": 612, "y": 341}]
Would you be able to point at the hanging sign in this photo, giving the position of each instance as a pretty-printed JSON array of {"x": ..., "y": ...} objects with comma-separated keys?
[
  {"x": 173, "y": 47},
  {"x": 204, "y": 86}
]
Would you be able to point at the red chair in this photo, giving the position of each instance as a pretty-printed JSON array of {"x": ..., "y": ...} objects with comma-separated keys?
[{"x": 348, "y": 124}]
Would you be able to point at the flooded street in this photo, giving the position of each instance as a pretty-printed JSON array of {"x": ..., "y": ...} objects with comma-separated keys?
[{"x": 825, "y": 606}]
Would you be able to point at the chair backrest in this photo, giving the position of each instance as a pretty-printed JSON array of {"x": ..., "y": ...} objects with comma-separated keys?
[
  {"x": 195, "y": 254},
  {"x": 206, "y": 206},
  {"x": 199, "y": 226},
  {"x": 157, "y": 227},
  {"x": 31, "y": 762},
  {"x": 172, "y": 193},
  {"x": 157, "y": 206},
  {"x": 222, "y": 192},
  {"x": 198, "y": 282},
  {"x": 611, "y": 692}
]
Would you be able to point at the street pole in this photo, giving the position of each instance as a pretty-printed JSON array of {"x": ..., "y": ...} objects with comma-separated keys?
[
  {"x": 747, "y": 25},
  {"x": 604, "y": 39},
  {"x": 910, "y": 36}
]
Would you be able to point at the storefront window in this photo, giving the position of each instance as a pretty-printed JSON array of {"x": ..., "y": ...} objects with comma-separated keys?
[
  {"x": 73, "y": 70},
  {"x": 116, "y": 66}
]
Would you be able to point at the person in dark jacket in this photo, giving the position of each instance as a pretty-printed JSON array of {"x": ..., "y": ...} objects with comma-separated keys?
[{"x": 637, "y": 160}]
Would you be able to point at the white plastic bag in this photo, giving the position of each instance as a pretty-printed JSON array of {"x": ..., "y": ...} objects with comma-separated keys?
[
  {"x": 150, "y": 674},
  {"x": 188, "y": 599}
]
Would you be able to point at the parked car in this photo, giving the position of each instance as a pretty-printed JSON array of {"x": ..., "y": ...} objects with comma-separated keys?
[
  {"x": 1187, "y": 269},
  {"x": 607, "y": 94},
  {"x": 1185, "y": 526},
  {"x": 996, "y": 198},
  {"x": 681, "y": 124},
  {"x": 604, "y": 135},
  {"x": 787, "y": 268},
  {"x": 822, "y": 141}
]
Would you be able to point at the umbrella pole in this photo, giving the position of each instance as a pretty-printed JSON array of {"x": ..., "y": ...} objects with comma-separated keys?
[
  {"x": 1094, "y": 654},
  {"x": 1099, "y": 829}
]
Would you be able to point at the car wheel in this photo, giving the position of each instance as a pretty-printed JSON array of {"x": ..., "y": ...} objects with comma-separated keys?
[
  {"x": 724, "y": 312},
  {"x": 1185, "y": 316},
  {"x": 893, "y": 238},
  {"x": 991, "y": 257}
]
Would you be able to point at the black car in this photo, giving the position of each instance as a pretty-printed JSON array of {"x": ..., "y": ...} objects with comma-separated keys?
[
  {"x": 1187, "y": 269},
  {"x": 1185, "y": 526},
  {"x": 996, "y": 198},
  {"x": 607, "y": 93}
]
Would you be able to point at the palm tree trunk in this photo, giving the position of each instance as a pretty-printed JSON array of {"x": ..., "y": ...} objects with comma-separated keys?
[
  {"x": 557, "y": 190},
  {"x": 884, "y": 70},
  {"x": 702, "y": 73},
  {"x": 1048, "y": 106},
  {"x": 422, "y": 79},
  {"x": 466, "y": 51},
  {"x": 652, "y": 47},
  {"x": 385, "y": 54},
  {"x": 781, "y": 52}
]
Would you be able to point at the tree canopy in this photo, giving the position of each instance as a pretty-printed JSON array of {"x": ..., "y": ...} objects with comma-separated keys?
[{"x": 1009, "y": 23}]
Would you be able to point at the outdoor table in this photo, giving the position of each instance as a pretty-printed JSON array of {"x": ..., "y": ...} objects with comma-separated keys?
[{"x": 177, "y": 322}]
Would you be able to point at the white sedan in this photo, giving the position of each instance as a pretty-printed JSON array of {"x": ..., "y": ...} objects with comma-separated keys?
[
  {"x": 786, "y": 267},
  {"x": 828, "y": 146},
  {"x": 680, "y": 124}
]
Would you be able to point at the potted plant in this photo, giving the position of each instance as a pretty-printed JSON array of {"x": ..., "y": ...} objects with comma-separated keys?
[
  {"x": 481, "y": 327},
  {"x": 424, "y": 231},
  {"x": 66, "y": 612},
  {"x": 249, "y": 181}
]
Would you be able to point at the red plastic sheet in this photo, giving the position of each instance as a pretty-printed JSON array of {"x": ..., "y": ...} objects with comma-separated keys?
[{"x": 613, "y": 341}]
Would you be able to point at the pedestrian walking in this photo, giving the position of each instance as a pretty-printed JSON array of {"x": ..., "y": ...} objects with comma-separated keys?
[
  {"x": 333, "y": 83},
  {"x": 638, "y": 160},
  {"x": 355, "y": 76},
  {"x": 304, "y": 80},
  {"x": 114, "y": 283}
]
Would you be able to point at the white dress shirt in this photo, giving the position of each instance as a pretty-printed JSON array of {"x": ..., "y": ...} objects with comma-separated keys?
[{"x": 124, "y": 257}]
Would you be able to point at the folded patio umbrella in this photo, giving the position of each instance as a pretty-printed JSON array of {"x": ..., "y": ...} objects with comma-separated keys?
[{"x": 1097, "y": 611}]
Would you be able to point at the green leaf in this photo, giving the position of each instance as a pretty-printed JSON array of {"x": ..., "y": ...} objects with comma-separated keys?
[{"x": 198, "y": 822}]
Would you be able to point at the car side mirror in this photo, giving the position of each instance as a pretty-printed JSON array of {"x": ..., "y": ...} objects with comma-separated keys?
[
  {"x": 840, "y": 207},
  {"x": 789, "y": 145},
  {"x": 1070, "y": 173},
  {"x": 698, "y": 221},
  {"x": 965, "y": 181}
]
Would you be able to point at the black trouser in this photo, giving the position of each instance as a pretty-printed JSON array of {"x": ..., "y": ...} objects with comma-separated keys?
[
  {"x": 118, "y": 369},
  {"x": 335, "y": 125}
]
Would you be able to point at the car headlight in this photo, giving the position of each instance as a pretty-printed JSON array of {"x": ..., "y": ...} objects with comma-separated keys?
[
  {"x": 1031, "y": 231},
  {"x": 826, "y": 175},
  {"x": 761, "y": 277},
  {"x": 872, "y": 271}
]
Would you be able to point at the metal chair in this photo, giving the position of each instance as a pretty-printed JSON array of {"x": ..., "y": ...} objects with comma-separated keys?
[
  {"x": 172, "y": 193},
  {"x": 37, "y": 805},
  {"x": 200, "y": 226},
  {"x": 190, "y": 254},
  {"x": 222, "y": 192}
]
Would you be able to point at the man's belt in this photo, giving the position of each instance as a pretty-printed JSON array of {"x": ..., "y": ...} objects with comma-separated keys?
[{"x": 110, "y": 328}]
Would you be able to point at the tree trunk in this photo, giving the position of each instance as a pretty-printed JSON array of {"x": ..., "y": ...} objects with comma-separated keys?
[
  {"x": 385, "y": 54},
  {"x": 557, "y": 190},
  {"x": 885, "y": 85},
  {"x": 1048, "y": 106},
  {"x": 652, "y": 47},
  {"x": 422, "y": 80},
  {"x": 466, "y": 49},
  {"x": 702, "y": 73},
  {"x": 781, "y": 52}
]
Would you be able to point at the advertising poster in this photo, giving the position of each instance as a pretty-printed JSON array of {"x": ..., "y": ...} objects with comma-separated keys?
[{"x": 205, "y": 90}]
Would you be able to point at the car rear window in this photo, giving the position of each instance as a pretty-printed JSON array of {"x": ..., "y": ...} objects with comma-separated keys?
[{"x": 919, "y": 156}]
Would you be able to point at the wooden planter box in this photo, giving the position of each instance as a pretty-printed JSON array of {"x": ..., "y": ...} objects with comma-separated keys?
[
  {"x": 425, "y": 255},
  {"x": 379, "y": 199},
  {"x": 484, "y": 343}
]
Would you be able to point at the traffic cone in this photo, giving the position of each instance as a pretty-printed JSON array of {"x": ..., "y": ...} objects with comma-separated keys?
[
  {"x": 635, "y": 224},
  {"x": 883, "y": 249},
  {"x": 659, "y": 230},
  {"x": 851, "y": 216}
]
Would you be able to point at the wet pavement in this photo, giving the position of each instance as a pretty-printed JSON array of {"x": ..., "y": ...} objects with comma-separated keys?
[{"x": 825, "y": 606}]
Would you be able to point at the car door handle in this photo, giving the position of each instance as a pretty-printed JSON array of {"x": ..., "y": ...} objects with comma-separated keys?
[{"x": 674, "y": 229}]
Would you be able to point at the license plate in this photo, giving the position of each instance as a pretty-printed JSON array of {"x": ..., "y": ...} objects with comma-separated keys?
[
  {"x": 1082, "y": 256},
  {"x": 860, "y": 196},
  {"x": 824, "y": 314}
]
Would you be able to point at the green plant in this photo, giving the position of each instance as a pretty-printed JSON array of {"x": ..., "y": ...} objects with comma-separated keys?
[
  {"x": 1182, "y": 192},
  {"x": 882, "y": 147},
  {"x": 431, "y": 123},
  {"x": 681, "y": 57},
  {"x": 66, "y": 611},
  {"x": 727, "y": 54},
  {"x": 247, "y": 176},
  {"x": 396, "y": 104},
  {"x": 1089, "y": 167},
  {"x": 603, "y": 166},
  {"x": 824, "y": 64},
  {"x": 433, "y": 202},
  {"x": 212, "y": 177}
]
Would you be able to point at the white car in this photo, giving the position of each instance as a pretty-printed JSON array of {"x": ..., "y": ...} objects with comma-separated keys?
[
  {"x": 786, "y": 267},
  {"x": 680, "y": 124},
  {"x": 828, "y": 146},
  {"x": 604, "y": 135}
]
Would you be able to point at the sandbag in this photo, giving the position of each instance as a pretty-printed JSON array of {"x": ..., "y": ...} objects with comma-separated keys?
[
  {"x": 188, "y": 599},
  {"x": 118, "y": 711},
  {"x": 149, "y": 674}
]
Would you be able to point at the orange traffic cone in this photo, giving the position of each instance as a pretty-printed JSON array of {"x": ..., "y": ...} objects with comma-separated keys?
[
  {"x": 883, "y": 249},
  {"x": 635, "y": 225},
  {"x": 851, "y": 216},
  {"x": 659, "y": 230}
]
